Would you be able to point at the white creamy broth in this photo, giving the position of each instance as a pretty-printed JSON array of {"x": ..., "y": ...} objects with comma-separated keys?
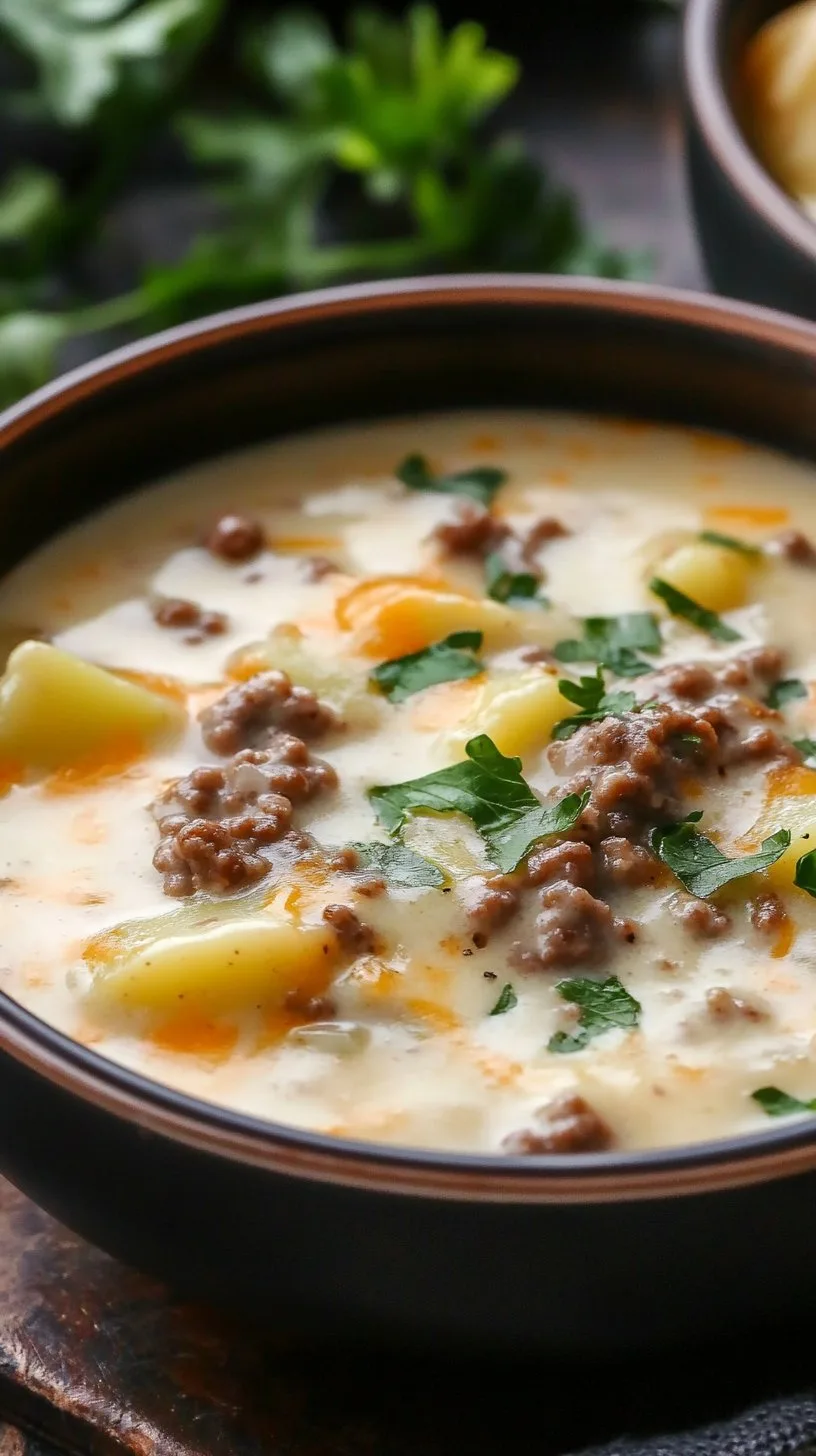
[{"x": 380, "y": 1027}]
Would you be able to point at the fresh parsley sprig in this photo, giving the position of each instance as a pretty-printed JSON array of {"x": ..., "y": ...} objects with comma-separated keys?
[
  {"x": 786, "y": 690},
  {"x": 701, "y": 866},
  {"x": 480, "y": 483},
  {"x": 604, "y": 1005},
  {"x": 506, "y": 1001},
  {"x": 450, "y": 660},
  {"x": 614, "y": 643},
  {"x": 717, "y": 538},
  {"x": 490, "y": 790},
  {"x": 681, "y": 605},
  {"x": 807, "y": 748},
  {"x": 513, "y": 588},
  {"x": 590, "y": 695},
  {"x": 393, "y": 118},
  {"x": 781, "y": 1104}
]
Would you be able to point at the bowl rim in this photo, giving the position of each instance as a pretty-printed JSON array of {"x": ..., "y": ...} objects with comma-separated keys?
[
  {"x": 703, "y": 22},
  {"x": 154, "y": 1107}
]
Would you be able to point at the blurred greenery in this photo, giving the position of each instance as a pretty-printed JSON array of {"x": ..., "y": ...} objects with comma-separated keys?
[{"x": 369, "y": 158}]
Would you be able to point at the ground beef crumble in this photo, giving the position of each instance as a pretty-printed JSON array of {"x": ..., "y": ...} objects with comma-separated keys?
[
  {"x": 723, "y": 1006},
  {"x": 250, "y": 713},
  {"x": 355, "y": 937},
  {"x": 636, "y": 769},
  {"x": 471, "y": 531},
  {"x": 490, "y": 904},
  {"x": 572, "y": 928},
  {"x": 568, "y": 1124},
  {"x": 768, "y": 914},
  {"x": 793, "y": 546},
  {"x": 235, "y": 538},
  {"x": 177, "y": 613},
  {"x": 474, "y": 531},
  {"x": 633, "y": 767},
  {"x": 703, "y": 919}
]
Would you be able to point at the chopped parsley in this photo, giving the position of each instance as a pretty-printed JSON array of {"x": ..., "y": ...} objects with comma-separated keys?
[
  {"x": 398, "y": 864},
  {"x": 507, "y": 1000},
  {"x": 604, "y": 1006},
  {"x": 590, "y": 695},
  {"x": 716, "y": 538},
  {"x": 682, "y": 606},
  {"x": 787, "y": 690},
  {"x": 807, "y": 747},
  {"x": 490, "y": 790},
  {"x": 479, "y": 483},
  {"x": 515, "y": 588},
  {"x": 805, "y": 873},
  {"x": 781, "y": 1104},
  {"x": 614, "y": 643},
  {"x": 445, "y": 661},
  {"x": 701, "y": 866}
]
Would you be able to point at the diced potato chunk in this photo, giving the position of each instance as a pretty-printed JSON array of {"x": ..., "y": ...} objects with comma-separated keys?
[
  {"x": 518, "y": 710},
  {"x": 339, "y": 682},
  {"x": 56, "y": 709},
  {"x": 222, "y": 964},
  {"x": 715, "y": 576}
]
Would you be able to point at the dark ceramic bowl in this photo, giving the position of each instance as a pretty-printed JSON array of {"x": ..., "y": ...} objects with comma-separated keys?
[
  {"x": 341, "y": 1239},
  {"x": 757, "y": 243}
]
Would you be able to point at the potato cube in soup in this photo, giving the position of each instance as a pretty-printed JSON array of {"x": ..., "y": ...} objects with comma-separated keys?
[
  {"x": 715, "y": 576},
  {"x": 56, "y": 709},
  {"x": 223, "y": 965},
  {"x": 517, "y": 710}
]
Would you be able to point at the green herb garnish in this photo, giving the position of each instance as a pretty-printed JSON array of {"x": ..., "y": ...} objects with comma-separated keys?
[
  {"x": 807, "y": 748},
  {"x": 480, "y": 483},
  {"x": 398, "y": 864},
  {"x": 445, "y": 661},
  {"x": 781, "y": 1104},
  {"x": 392, "y": 116},
  {"x": 515, "y": 588},
  {"x": 604, "y": 1005},
  {"x": 716, "y": 538},
  {"x": 805, "y": 872},
  {"x": 590, "y": 695},
  {"x": 682, "y": 606},
  {"x": 507, "y": 1000},
  {"x": 490, "y": 790},
  {"x": 614, "y": 643},
  {"x": 701, "y": 866},
  {"x": 787, "y": 690}
]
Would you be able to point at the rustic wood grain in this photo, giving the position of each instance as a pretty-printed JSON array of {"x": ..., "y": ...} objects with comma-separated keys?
[{"x": 103, "y": 1362}]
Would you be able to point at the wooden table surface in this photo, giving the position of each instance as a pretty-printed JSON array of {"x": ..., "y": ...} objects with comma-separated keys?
[{"x": 96, "y": 1358}]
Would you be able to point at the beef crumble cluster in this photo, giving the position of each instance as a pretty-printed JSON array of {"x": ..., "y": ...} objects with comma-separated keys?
[
  {"x": 634, "y": 768},
  {"x": 218, "y": 823}
]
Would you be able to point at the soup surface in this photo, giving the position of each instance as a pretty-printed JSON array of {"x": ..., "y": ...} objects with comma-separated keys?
[{"x": 444, "y": 782}]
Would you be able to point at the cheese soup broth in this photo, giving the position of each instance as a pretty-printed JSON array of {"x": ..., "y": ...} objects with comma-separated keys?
[{"x": 485, "y": 973}]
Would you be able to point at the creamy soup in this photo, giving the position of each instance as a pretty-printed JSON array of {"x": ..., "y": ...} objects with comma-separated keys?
[{"x": 443, "y": 782}]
